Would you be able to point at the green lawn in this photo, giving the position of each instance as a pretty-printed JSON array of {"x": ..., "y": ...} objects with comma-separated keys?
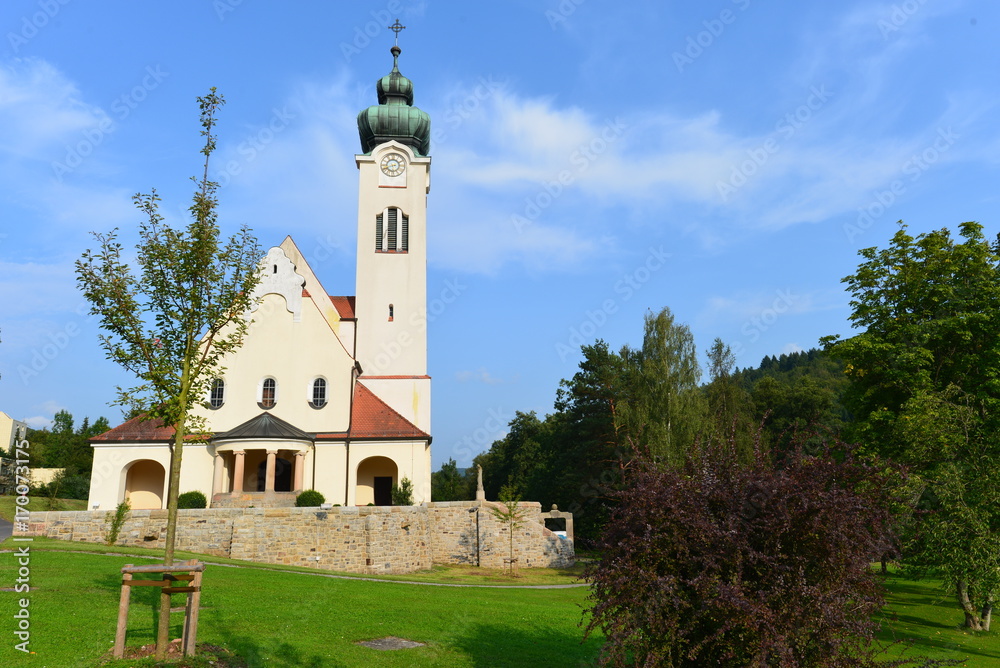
[
  {"x": 286, "y": 619},
  {"x": 922, "y": 614},
  {"x": 275, "y": 618},
  {"x": 36, "y": 503}
]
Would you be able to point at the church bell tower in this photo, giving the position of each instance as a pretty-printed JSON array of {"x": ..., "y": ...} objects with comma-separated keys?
[{"x": 391, "y": 303}]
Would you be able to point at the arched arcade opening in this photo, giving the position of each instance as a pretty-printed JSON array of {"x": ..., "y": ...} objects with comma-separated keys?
[
  {"x": 376, "y": 476},
  {"x": 145, "y": 481}
]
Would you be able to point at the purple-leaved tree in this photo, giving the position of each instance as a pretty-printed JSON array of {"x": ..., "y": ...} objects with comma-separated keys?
[{"x": 723, "y": 563}]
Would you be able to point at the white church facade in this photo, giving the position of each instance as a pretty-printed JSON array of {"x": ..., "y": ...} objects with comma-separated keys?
[{"x": 328, "y": 392}]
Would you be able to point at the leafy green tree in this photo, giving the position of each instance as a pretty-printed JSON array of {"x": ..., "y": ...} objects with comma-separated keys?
[
  {"x": 663, "y": 411},
  {"x": 61, "y": 442},
  {"x": 521, "y": 459},
  {"x": 925, "y": 390},
  {"x": 172, "y": 324},
  {"x": 447, "y": 484}
]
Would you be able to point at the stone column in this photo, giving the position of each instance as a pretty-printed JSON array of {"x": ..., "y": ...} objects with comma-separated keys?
[
  {"x": 269, "y": 476},
  {"x": 300, "y": 463},
  {"x": 220, "y": 470},
  {"x": 238, "y": 472}
]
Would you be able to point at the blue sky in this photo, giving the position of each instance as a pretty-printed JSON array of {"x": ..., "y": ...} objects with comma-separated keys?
[{"x": 592, "y": 161}]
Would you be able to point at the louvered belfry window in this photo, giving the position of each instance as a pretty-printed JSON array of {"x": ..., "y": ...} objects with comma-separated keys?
[{"x": 392, "y": 231}]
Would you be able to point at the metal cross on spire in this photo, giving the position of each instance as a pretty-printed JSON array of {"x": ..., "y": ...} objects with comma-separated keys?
[{"x": 396, "y": 27}]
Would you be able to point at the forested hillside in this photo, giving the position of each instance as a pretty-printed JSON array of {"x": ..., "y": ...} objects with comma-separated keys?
[{"x": 650, "y": 399}]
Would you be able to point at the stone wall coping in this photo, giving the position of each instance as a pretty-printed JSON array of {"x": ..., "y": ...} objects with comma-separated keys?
[
  {"x": 41, "y": 515},
  {"x": 476, "y": 504}
]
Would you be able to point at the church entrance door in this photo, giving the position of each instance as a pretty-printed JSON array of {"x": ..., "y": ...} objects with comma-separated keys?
[{"x": 383, "y": 490}]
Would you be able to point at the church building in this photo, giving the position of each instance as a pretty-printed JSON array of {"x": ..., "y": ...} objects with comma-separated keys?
[{"x": 328, "y": 392}]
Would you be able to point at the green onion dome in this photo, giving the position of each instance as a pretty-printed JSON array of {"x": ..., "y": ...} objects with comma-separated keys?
[{"x": 395, "y": 117}]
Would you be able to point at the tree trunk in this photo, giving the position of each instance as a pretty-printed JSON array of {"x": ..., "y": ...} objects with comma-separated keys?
[
  {"x": 973, "y": 620},
  {"x": 163, "y": 625},
  {"x": 987, "y": 614}
]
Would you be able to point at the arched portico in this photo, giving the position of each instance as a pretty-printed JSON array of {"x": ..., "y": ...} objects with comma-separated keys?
[
  {"x": 256, "y": 467},
  {"x": 376, "y": 476},
  {"x": 145, "y": 481}
]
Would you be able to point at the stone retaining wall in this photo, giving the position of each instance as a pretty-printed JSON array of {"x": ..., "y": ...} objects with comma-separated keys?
[{"x": 369, "y": 539}]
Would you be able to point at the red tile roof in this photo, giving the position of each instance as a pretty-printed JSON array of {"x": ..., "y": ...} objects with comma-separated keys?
[
  {"x": 138, "y": 429},
  {"x": 371, "y": 418},
  {"x": 345, "y": 307}
]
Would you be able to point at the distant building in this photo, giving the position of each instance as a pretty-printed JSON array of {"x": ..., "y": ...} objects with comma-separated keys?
[
  {"x": 328, "y": 392},
  {"x": 10, "y": 431}
]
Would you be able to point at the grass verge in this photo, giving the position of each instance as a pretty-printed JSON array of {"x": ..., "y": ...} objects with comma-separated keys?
[{"x": 439, "y": 574}]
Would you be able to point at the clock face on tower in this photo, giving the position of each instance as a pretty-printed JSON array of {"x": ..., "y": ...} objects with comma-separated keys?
[{"x": 393, "y": 164}]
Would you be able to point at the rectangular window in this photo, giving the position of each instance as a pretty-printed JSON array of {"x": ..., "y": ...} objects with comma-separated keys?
[
  {"x": 405, "y": 234},
  {"x": 378, "y": 232}
]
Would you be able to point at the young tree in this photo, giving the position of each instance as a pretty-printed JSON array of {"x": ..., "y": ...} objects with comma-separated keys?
[
  {"x": 172, "y": 324},
  {"x": 510, "y": 513},
  {"x": 925, "y": 392},
  {"x": 715, "y": 563}
]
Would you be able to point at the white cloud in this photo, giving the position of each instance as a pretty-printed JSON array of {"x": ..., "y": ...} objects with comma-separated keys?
[
  {"x": 40, "y": 109},
  {"x": 49, "y": 408},
  {"x": 480, "y": 375},
  {"x": 39, "y": 422}
]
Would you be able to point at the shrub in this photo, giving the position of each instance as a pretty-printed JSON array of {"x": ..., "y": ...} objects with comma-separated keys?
[
  {"x": 192, "y": 499},
  {"x": 309, "y": 498},
  {"x": 115, "y": 521},
  {"x": 720, "y": 564},
  {"x": 402, "y": 494}
]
